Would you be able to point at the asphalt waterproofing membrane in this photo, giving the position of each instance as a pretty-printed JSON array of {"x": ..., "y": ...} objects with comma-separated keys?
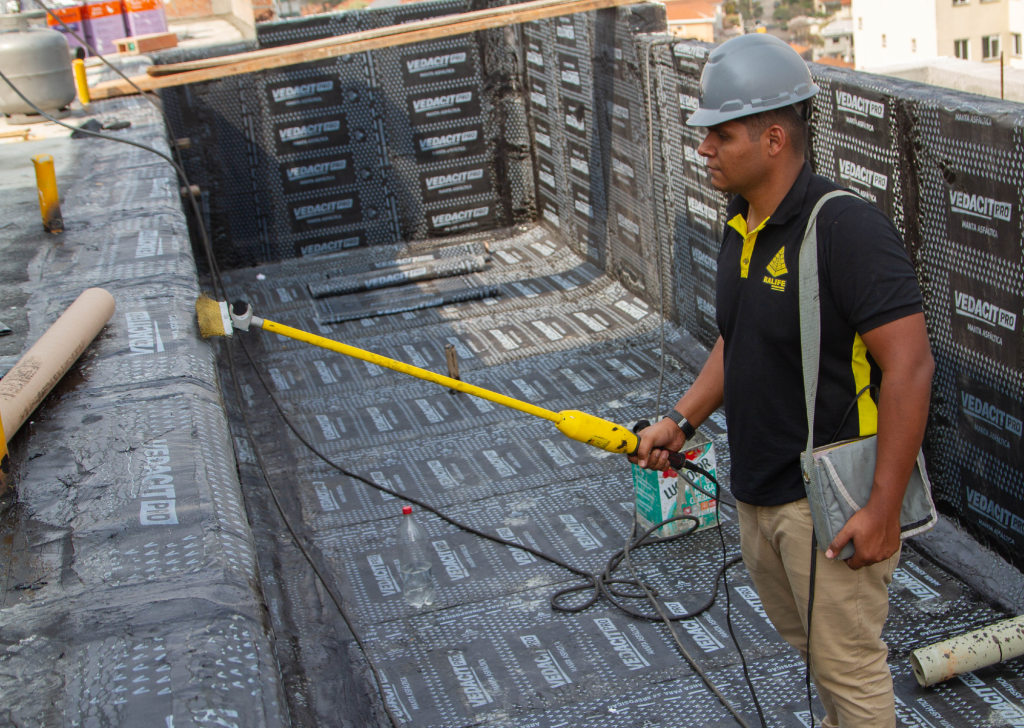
[
  {"x": 149, "y": 578},
  {"x": 491, "y": 651},
  {"x": 129, "y": 588}
]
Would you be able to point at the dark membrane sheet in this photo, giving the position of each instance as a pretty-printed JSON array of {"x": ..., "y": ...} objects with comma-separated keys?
[
  {"x": 130, "y": 592},
  {"x": 491, "y": 650},
  {"x": 421, "y": 140}
]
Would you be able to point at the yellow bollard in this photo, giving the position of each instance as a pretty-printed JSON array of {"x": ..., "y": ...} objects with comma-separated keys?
[
  {"x": 81, "y": 84},
  {"x": 49, "y": 200},
  {"x": 5, "y": 464}
]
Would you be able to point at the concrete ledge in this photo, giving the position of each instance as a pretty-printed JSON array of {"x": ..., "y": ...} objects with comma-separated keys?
[
  {"x": 972, "y": 77},
  {"x": 981, "y": 568},
  {"x": 131, "y": 594}
]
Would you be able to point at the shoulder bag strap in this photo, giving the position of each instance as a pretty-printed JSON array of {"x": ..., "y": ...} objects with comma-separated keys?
[{"x": 810, "y": 312}]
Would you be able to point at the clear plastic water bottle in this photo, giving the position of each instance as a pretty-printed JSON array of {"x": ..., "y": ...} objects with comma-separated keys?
[{"x": 414, "y": 558}]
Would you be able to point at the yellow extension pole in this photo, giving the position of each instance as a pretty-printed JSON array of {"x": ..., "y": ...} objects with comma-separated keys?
[
  {"x": 81, "y": 84},
  {"x": 409, "y": 369},
  {"x": 49, "y": 199}
]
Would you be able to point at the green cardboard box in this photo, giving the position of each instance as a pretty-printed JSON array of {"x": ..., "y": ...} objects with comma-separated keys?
[{"x": 658, "y": 495}]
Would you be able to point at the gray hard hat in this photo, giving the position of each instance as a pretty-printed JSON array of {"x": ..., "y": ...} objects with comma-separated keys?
[{"x": 750, "y": 74}]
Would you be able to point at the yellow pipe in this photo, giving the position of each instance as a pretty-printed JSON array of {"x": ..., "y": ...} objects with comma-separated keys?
[
  {"x": 49, "y": 200},
  {"x": 81, "y": 84},
  {"x": 409, "y": 369}
]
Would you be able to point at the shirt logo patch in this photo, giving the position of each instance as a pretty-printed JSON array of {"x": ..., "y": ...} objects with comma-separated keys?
[
  {"x": 778, "y": 265},
  {"x": 777, "y": 268}
]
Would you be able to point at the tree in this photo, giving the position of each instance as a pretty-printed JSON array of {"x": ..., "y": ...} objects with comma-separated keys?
[{"x": 750, "y": 9}]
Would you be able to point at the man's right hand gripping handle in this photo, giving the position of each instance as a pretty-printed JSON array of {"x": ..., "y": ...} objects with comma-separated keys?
[{"x": 659, "y": 445}]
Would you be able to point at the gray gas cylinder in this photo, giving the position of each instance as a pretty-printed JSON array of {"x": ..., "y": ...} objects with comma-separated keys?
[{"x": 38, "y": 62}]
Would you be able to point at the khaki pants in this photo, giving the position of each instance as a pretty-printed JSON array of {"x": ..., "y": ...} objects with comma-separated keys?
[{"x": 848, "y": 656}]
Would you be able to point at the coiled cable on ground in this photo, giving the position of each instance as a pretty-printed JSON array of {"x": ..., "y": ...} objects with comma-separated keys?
[{"x": 604, "y": 584}]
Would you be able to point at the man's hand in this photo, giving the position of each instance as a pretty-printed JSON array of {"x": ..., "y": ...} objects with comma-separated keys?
[
  {"x": 656, "y": 442},
  {"x": 700, "y": 400},
  {"x": 902, "y": 352},
  {"x": 875, "y": 533}
]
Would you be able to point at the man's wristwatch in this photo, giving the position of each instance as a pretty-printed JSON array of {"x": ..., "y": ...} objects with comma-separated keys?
[{"x": 688, "y": 430}]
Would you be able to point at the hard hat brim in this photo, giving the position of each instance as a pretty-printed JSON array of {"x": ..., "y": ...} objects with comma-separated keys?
[{"x": 713, "y": 117}]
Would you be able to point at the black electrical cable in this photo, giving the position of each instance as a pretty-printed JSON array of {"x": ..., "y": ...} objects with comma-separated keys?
[
  {"x": 657, "y": 224},
  {"x": 728, "y": 620},
  {"x": 86, "y": 131},
  {"x": 180, "y": 167},
  {"x": 328, "y": 584},
  {"x": 218, "y": 283},
  {"x": 652, "y": 597},
  {"x": 602, "y": 584},
  {"x": 661, "y": 377}
]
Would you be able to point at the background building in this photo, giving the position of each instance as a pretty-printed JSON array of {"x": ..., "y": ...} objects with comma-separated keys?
[
  {"x": 697, "y": 19},
  {"x": 887, "y": 33}
]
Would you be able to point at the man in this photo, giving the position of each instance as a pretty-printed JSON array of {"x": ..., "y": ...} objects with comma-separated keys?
[{"x": 753, "y": 91}]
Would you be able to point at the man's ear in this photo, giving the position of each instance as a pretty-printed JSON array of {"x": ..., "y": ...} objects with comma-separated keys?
[{"x": 776, "y": 139}]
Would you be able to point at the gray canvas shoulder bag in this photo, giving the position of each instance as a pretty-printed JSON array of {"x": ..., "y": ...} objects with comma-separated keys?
[{"x": 838, "y": 476}]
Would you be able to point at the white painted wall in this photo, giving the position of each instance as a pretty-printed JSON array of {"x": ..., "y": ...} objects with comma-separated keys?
[
  {"x": 902, "y": 22},
  {"x": 1016, "y": 26}
]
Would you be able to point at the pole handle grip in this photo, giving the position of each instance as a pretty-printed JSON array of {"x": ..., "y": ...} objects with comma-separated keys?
[{"x": 675, "y": 459}]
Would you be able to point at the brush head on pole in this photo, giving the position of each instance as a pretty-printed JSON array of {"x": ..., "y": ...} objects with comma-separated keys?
[{"x": 214, "y": 318}]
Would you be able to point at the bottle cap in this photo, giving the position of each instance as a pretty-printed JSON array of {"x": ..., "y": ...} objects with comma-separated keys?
[{"x": 406, "y": 510}]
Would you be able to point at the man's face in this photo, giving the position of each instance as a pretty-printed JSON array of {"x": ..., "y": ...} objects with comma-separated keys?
[{"x": 734, "y": 161}]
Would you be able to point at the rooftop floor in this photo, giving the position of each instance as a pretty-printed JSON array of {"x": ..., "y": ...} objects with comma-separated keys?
[
  {"x": 87, "y": 590},
  {"x": 564, "y": 336}
]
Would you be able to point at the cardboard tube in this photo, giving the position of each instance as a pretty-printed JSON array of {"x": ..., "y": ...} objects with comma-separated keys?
[
  {"x": 972, "y": 651},
  {"x": 36, "y": 373}
]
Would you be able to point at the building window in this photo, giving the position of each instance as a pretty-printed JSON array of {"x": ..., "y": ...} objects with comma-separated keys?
[
  {"x": 883, "y": 40},
  {"x": 960, "y": 2},
  {"x": 913, "y": 45},
  {"x": 990, "y": 47},
  {"x": 1016, "y": 44},
  {"x": 962, "y": 49}
]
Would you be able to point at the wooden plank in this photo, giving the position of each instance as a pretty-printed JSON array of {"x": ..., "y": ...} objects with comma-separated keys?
[
  {"x": 439, "y": 21},
  {"x": 412, "y": 33}
]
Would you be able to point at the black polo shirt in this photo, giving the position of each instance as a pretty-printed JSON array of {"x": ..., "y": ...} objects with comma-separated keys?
[{"x": 866, "y": 280}]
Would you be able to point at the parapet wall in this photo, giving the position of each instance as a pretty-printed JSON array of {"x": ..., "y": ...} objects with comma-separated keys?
[
  {"x": 548, "y": 120},
  {"x": 945, "y": 166},
  {"x": 401, "y": 143}
]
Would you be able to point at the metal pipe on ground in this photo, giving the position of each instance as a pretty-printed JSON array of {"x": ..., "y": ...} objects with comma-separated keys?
[
  {"x": 972, "y": 651},
  {"x": 397, "y": 276}
]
